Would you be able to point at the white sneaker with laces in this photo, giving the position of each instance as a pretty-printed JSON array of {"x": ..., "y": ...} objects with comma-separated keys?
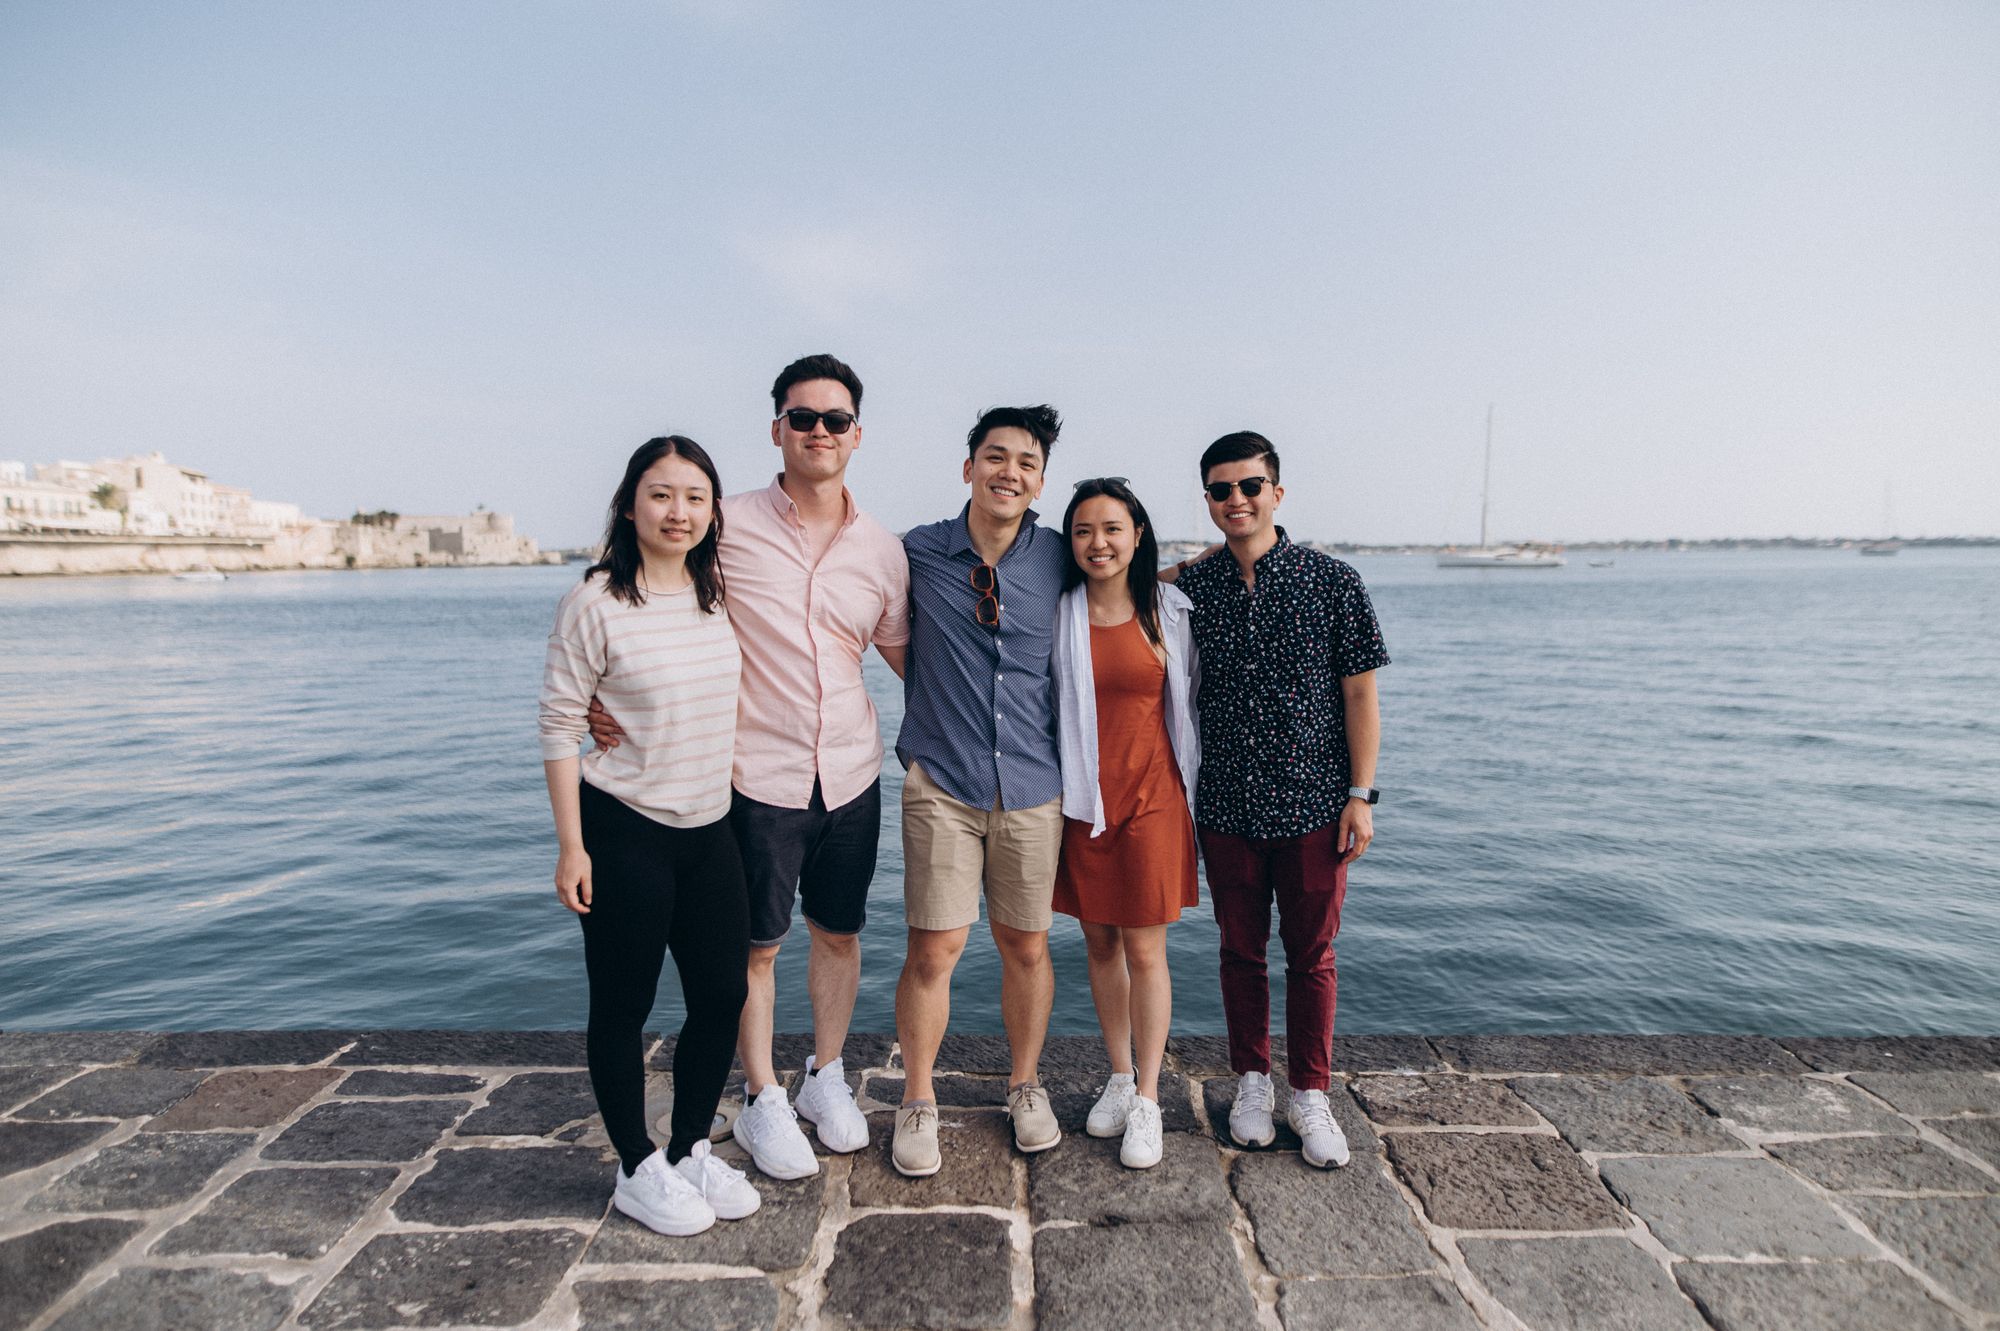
[
  {"x": 827, "y": 1104},
  {"x": 1142, "y": 1145},
  {"x": 661, "y": 1200},
  {"x": 1323, "y": 1144},
  {"x": 769, "y": 1130},
  {"x": 1107, "y": 1116},
  {"x": 1250, "y": 1116},
  {"x": 723, "y": 1186}
]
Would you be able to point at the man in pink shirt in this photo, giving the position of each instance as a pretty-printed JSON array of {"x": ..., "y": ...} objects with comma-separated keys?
[{"x": 810, "y": 582}]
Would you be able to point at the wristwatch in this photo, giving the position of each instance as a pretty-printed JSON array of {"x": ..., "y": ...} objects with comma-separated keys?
[{"x": 1366, "y": 794}]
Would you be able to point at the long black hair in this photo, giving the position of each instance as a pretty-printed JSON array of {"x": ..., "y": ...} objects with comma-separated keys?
[
  {"x": 621, "y": 561},
  {"x": 1142, "y": 578}
]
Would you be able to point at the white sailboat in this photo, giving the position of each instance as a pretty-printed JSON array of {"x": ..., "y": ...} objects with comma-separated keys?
[{"x": 1523, "y": 555}]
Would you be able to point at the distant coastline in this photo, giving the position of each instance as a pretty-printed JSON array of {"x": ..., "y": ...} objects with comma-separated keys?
[{"x": 1670, "y": 546}]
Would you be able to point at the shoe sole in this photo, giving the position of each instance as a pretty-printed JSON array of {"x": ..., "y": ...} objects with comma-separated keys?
[
  {"x": 1328, "y": 1163},
  {"x": 768, "y": 1172},
  {"x": 1250, "y": 1145},
  {"x": 678, "y": 1229},
  {"x": 1048, "y": 1145},
  {"x": 756, "y": 1205},
  {"x": 831, "y": 1146},
  {"x": 1118, "y": 1131},
  {"x": 916, "y": 1173},
  {"x": 1129, "y": 1165}
]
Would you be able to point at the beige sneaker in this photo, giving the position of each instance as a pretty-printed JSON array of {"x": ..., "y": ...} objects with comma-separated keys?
[
  {"x": 1034, "y": 1122},
  {"x": 915, "y": 1150}
]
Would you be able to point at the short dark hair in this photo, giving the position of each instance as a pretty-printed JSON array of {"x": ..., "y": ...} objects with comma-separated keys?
[
  {"x": 1042, "y": 422},
  {"x": 821, "y": 366},
  {"x": 1239, "y": 447}
]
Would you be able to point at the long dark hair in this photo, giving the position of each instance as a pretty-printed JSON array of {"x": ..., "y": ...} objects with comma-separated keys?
[
  {"x": 1142, "y": 578},
  {"x": 620, "y": 561}
]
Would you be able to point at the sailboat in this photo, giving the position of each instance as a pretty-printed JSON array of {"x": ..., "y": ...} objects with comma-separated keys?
[{"x": 1522, "y": 555}]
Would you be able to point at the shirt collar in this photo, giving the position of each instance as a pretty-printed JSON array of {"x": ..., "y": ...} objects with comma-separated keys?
[
  {"x": 1283, "y": 542},
  {"x": 788, "y": 510},
  {"x": 961, "y": 533}
]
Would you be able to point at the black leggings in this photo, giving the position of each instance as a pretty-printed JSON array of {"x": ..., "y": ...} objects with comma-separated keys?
[{"x": 657, "y": 889}]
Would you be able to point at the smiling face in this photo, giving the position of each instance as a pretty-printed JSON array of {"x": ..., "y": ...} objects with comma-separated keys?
[
  {"x": 1102, "y": 538},
  {"x": 1240, "y": 517},
  {"x": 672, "y": 509},
  {"x": 1005, "y": 473},
  {"x": 816, "y": 455}
]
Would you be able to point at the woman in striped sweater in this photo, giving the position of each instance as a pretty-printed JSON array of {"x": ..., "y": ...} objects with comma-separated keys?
[{"x": 646, "y": 858}]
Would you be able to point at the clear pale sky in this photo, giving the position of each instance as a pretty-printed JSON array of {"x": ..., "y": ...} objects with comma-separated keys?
[{"x": 1725, "y": 268}]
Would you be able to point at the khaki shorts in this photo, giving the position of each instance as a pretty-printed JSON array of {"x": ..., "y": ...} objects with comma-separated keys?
[{"x": 951, "y": 849}]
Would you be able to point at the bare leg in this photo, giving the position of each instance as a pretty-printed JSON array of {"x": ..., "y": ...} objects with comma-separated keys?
[
  {"x": 1152, "y": 1002},
  {"x": 923, "y": 1004},
  {"x": 1111, "y": 991},
  {"x": 833, "y": 977},
  {"x": 1027, "y": 993},
  {"x": 753, "y": 1031}
]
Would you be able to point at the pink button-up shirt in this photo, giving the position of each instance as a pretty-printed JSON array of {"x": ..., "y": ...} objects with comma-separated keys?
[{"x": 802, "y": 711}]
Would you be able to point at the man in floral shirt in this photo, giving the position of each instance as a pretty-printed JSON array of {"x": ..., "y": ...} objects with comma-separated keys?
[{"x": 1289, "y": 730}]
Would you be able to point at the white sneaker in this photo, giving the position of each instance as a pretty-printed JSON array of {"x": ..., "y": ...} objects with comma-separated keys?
[
  {"x": 1107, "y": 1116},
  {"x": 1142, "y": 1145},
  {"x": 724, "y": 1186},
  {"x": 1323, "y": 1144},
  {"x": 769, "y": 1130},
  {"x": 1250, "y": 1117},
  {"x": 826, "y": 1103},
  {"x": 661, "y": 1200}
]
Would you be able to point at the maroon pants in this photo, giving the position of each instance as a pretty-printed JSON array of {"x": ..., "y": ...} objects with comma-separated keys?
[{"x": 1306, "y": 878}]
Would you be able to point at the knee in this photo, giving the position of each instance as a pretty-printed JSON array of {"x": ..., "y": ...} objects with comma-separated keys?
[
  {"x": 837, "y": 947},
  {"x": 932, "y": 961},
  {"x": 1024, "y": 951},
  {"x": 1146, "y": 961},
  {"x": 1309, "y": 958},
  {"x": 763, "y": 960},
  {"x": 1103, "y": 945}
]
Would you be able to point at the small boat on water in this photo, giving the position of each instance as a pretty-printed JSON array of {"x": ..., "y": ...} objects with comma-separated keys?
[
  {"x": 1601, "y": 563},
  {"x": 1525, "y": 554},
  {"x": 201, "y": 575},
  {"x": 1881, "y": 547}
]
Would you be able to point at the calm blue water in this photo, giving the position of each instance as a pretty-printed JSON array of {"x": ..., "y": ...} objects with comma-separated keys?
[{"x": 1743, "y": 792}]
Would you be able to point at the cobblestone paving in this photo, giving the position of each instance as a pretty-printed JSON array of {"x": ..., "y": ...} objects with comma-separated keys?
[{"x": 314, "y": 1179}]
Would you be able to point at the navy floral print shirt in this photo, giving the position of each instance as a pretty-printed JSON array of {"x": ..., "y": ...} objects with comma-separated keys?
[{"x": 1274, "y": 759}]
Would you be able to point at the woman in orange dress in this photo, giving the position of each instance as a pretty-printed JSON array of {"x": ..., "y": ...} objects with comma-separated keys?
[{"x": 1124, "y": 667}]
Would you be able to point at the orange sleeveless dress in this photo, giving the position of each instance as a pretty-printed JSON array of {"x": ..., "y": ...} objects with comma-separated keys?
[{"x": 1140, "y": 870}]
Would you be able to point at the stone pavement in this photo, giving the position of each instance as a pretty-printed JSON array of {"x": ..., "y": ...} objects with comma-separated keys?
[{"x": 331, "y": 1180}]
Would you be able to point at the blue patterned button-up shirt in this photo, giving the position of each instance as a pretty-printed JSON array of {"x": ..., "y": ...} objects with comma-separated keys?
[{"x": 979, "y": 704}]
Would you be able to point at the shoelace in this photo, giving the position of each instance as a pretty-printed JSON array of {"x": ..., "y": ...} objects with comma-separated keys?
[
  {"x": 1315, "y": 1115},
  {"x": 922, "y": 1118},
  {"x": 1031, "y": 1097},
  {"x": 1253, "y": 1095},
  {"x": 721, "y": 1170}
]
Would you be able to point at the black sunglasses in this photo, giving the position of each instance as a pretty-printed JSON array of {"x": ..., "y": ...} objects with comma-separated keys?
[
  {"x": 802, "y": 420},
  {"x": 1251, "y": 486},
  {"x": 1102, "y": 480}
]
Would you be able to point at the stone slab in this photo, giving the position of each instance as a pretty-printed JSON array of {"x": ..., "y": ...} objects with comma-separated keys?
[
  {"x": 716, "y": 1304},
  {"x": 149, "y": 1297},
  {"x": 1071, "y": 1096},
  {"x": 1155, "y": 1276},
  {"x": 1882, "y": 1164},
  {"x": 1409, "y": 1303},
  {"x": 245, "y": 1098},
  {"x": 1440, "y": 1100},
  {"x": 114, "y": 1093},
  {"x": 1208, "y": 1055},
  {"x": 28, "y": 1145},
  {"x": 1953, "y": 1240},
  {"x": 984, "y": 1055},
  {"x": 1786, "y": 1298},
  {"x": 481, "y": 1185},
  {"x": 532, "y": 1104},
  {"x": 18, "y": 1047},
  {"x": 1330, "y": 1222},
  {"x": 366, "y": 1130},
  {"x": 296, "y": 1213},
  {"x": 1899, "y": 1053},
  {"x": 1708, "y": 1206},
  {"x": 1659, "y": 1055},
  {"x": 1624, "y": 1115},
  {"x": 1584, "y": 1284},
  {"x": 476, "y": 1278},
  {"x": 1981, "y": 1136},
  {"x": 1081, "y": 1179},
  {"x": 976, "y": 1167},
  {"x": 25, "y": 1082},
  {"x": 41, "y": 1266},
  {"x": 1935, "y": 1094},
  {"x": 951, "y": 1091},
  {"x": 941, "y": 1271},
  {"x": 466, "y": 1049},
  {"x": 1773, "y": 1105},
  {"x": 151, "y": 1170},
  {"x": 777, "y": 1238},
  {"x": 376, "y": 1082},
  {"x": 1501, "y": 1180},
  {"x": 235, "y": 1049}
]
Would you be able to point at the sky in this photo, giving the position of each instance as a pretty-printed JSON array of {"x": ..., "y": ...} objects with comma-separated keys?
[{"x": 1721, "y": 269}]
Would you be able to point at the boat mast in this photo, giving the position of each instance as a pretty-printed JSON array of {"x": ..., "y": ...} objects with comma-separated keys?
[{"x": 1486, "y": 479}]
